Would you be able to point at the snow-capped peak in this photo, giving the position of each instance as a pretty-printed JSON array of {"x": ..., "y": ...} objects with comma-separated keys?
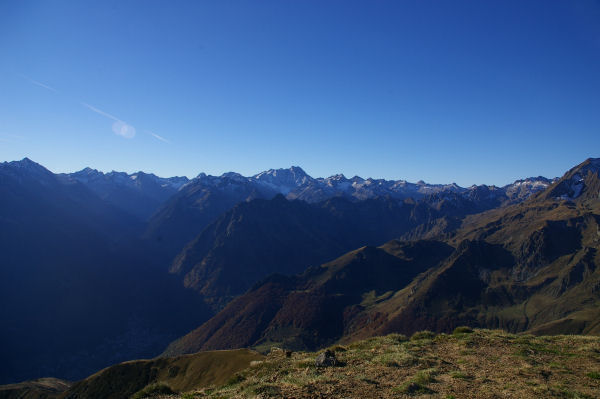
[
  {"x": 573, "y": 184},
  {"x": 283, "y": 180}
]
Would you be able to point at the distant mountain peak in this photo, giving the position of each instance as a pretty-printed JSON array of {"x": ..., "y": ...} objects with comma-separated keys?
[
  {"x": 26, "y": 163},
  {"x": 232, "y": 175},
  {"x": 590, "y": 164},
  {"x": 579, "y": 183},
  {"x": 298, "y": 170},
  {"x": 283, "y": 180},
  {"x": 293, "y": 170},
  {"x": 29, "y": 166},
  {"x": 338, "y": 177},
  {"x": 86, "y": 172}
]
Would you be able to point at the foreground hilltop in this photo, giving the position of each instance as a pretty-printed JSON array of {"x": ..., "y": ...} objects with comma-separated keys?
[{"x": 465, "y": 364}]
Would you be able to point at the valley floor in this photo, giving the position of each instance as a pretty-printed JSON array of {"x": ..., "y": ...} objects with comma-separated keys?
[{"x": 466, "y": 364}]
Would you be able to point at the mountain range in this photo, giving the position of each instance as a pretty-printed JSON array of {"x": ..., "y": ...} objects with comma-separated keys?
[
  {"x": 139, "y": 194},
  {"x": 530, "y": 266},
  {"x": 204, "y": 198},
  {"x": 115, "y": 266}
]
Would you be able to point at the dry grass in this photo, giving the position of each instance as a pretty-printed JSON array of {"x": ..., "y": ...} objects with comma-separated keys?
[
  {"x": 156, "y": 377},
  {"x": 481, "y": 364},
  {"x": 36, "y": 389}
]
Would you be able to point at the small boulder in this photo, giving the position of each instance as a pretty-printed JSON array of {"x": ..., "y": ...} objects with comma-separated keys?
[{"x": 326, "y": 359}]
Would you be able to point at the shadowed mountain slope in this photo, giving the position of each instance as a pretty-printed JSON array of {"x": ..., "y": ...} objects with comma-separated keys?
[
  {"x": 261, "y": 237},
  {"x": 313, "y": 309},
  {"x": 194, "y": 207},
  {"x": 77, "y": 290}
]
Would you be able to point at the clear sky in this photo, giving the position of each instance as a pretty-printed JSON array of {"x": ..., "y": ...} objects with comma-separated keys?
[{"x": 444, "y": 91}]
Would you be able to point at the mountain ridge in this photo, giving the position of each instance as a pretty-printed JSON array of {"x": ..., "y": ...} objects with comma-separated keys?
[
  {"x": 203, "y": 199},
  {"x": 530, "y": 266}
]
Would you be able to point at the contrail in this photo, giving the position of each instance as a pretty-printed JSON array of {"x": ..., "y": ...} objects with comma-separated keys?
[
  {"x": 100, "y": 112},
  {"x": 156, "y": 136},
  {"x": 35, "y": 82}
]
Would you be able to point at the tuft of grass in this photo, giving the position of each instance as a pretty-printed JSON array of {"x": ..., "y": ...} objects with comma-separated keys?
[
  {"x": 234, "y": 380},
  {"x": 152, "y": 390},
  {"x": 528, "y": 347},
  {"x": 425, "y": 376},
  {"x": 462, "y": 330},
  {"x": 557, "y": 365},
  {"x": 267, "y": 390},
  {"x": 418, "y": 384},
  {"x": 398, "y": 338},
  {"x": 413, "y": 388},
  {"x": 394, "y": 356},
  {"x": 594, "y": 375},
  {"x": 567, "y": 392},
  {"x": 460, "y": 375},
  {"x": 368, "y": 343},
  {"x": 338, "y": 348},
  {"x": 306, "y": 362},
  {"x": 422, "y": 335}
]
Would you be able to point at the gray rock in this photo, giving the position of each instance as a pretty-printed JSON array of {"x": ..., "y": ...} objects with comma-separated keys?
[{"x": 326, "y": 359}]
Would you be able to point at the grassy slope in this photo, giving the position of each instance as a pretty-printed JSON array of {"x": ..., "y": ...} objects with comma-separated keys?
[
  {"x": 550, "y": 286},
  {"x": 482, "y": 364},
  {"x": 37, "y": 389},
  {"x": 308, "y": 311},
  {"x": 181, "y": 373}
]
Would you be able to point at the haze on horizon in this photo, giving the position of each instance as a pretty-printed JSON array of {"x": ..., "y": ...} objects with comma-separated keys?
[{"x": 467, "y": 92}]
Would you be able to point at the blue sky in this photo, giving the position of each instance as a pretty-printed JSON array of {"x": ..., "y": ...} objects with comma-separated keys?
[{"x": 463, "y": 91}]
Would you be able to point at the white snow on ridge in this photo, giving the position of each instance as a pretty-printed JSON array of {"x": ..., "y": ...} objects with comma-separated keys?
[{"x": 294, "y": 183}]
